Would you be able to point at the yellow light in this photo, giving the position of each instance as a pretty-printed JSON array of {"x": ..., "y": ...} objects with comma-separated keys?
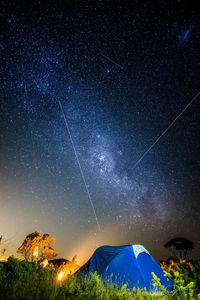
[
  {"x": 44, "y": 263},
  {"x": 60, "y": 275}
]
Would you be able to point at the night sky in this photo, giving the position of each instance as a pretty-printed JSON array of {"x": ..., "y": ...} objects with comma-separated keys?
[{"x": 122, "y": 73}]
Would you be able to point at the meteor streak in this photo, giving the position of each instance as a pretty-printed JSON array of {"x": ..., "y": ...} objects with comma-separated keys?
[
  {"x": 171, "y": 124},
  {"x": 111, "y": 60},
  {"x": 78, "y": 161}
]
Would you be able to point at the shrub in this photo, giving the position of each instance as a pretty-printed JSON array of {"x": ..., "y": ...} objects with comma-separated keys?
[
  {"x": 185, "y": 275},
  {"x": 22, "y": 280}
]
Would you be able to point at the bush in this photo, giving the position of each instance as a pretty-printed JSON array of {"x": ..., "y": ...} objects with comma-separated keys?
[
  {"x": 25, "y": 280},
  {"x": 22, "y": 280},
  {"x": 28, "y": 280},
  {"x": 185, "y": 275}
]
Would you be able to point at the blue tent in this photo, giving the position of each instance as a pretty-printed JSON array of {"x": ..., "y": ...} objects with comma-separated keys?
[{"x": 130, "y": 264}]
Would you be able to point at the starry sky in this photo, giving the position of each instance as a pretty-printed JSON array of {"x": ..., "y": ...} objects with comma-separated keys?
[{"x": 122, "y": 72}]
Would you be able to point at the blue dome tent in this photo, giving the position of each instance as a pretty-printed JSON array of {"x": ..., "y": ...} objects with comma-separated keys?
[{"x": 131, "y": 264}]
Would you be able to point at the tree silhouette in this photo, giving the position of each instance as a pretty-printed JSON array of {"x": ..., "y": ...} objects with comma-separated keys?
[
  {"x": 180, "y": 247},
  {"x": 2, "y": 250},
  {"x": 35, "y": 247}
]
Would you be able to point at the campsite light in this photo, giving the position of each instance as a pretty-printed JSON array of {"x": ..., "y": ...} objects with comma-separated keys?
[
  {"x": 60, "y": 275},
  {"x": 44, "y": 263}
]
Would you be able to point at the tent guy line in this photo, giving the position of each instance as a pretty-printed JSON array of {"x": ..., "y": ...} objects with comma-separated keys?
[
  {"x": 79, "y": 164},
  {"x": 170, "y": 125}
]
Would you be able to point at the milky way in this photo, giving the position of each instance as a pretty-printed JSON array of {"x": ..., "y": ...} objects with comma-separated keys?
[{"x": 122, "y": 75}]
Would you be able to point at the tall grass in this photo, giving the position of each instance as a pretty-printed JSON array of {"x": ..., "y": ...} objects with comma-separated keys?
[
  {"x": 185, "y": 275},
  {"x": 21, "y": 280}
]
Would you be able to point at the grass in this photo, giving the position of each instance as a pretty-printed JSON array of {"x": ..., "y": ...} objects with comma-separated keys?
[{"x": 25, "y": 280}]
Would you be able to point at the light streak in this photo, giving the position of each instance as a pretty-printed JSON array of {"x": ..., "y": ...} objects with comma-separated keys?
[
  {"x": 78, "y": 161},
  {"x": 111, "y": 60},
  {"x": 170, "y": 125}
]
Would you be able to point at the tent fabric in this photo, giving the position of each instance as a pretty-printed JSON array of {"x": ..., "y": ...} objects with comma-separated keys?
[
  {"x": 103, "y": 256},
  {"x": 100, "y": 259},
  {"x": 131, "y": 264}
]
